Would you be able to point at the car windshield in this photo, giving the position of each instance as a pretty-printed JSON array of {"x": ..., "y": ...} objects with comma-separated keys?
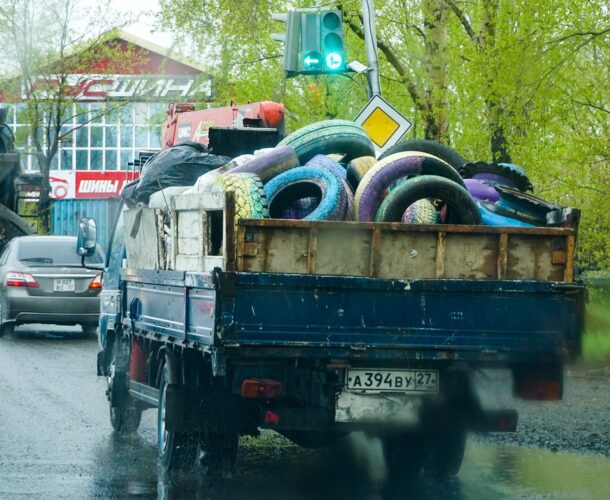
[{"x": 54, "y": 253}]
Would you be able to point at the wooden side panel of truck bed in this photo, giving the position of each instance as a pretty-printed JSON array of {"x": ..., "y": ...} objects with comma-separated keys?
[{"x": 400, "y": 251}]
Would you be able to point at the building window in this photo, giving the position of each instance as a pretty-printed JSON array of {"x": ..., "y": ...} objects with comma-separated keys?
[{"x": 103, "y": 136}]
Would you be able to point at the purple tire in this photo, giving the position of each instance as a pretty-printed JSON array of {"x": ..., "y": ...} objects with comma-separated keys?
[
  {"x": 481, "y": 191},
  {"x": 270, "y": 164},
  {"x": 379, "y": 178},
  {"x": 386, "y": 172},
  {"x": 324, "y": 161},
  {"x": 349, "y": 208}
]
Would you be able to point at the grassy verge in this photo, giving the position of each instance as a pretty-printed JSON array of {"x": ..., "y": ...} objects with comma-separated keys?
[{"x": 596, "y": 340}]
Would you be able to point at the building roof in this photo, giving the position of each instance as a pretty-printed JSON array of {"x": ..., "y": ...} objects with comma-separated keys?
[
  {"x": 162, "y": 51},
  {"x": 176, "y": 61}
]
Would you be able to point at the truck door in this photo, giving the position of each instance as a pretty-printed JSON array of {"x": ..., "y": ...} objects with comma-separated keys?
[{"x": 110, "y": 304}]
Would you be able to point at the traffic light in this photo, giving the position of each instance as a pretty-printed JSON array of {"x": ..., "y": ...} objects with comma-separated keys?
[
  {"x": 313, "y": 42},
  {"x": 331, "y": 37},
  {"x": 291, "y": 40}
]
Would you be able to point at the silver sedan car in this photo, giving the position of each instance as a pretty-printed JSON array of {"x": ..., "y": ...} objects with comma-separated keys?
[{"x": 42, "y": 281}]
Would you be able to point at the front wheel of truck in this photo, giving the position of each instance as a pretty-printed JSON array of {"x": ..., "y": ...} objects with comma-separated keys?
[{"x": 125, "y": 413}]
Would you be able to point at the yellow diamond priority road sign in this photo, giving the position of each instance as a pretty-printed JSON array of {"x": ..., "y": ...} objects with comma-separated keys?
[{"x": 383, "y": 123}]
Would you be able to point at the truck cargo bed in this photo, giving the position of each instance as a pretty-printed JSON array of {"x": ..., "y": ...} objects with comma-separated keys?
[{"x": 270, "y": 314}]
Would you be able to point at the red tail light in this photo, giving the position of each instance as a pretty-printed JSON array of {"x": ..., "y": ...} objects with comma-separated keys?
[
  {"x": 21, "y": 279},
  {"x": 96, "y": 282},
  {"x": 261, "y": 389}
]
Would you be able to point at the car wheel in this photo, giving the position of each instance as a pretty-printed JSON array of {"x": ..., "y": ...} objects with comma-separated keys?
[
  {"x": 90, "y": 329},
  {"x": 7, "y": 329}
]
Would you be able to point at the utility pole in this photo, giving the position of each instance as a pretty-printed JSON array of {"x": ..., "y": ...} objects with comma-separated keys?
[{"x": 370, "y": 42}]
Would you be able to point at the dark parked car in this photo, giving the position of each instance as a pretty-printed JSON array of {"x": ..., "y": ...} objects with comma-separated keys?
[{"x": 42, "y": 281}]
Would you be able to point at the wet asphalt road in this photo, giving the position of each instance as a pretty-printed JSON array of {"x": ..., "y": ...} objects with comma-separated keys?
[{"x": 56, "y": 442}]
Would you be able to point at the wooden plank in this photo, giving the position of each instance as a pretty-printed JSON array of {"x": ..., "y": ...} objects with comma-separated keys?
[
  {"x": 141, "y": 238},
  {"x": 197, "y": 201},
  {"x": 229, "y": 233},
  {"x": 410, "y": 228},
  {"x": 502, "y": 256},
  {"x": 568, "y": 275},
  {"x": 312, "y": 247},
  {"x": 375, "y": 252},
  {"x": 173, "y": 218},
  {"x": 440, "y": 254}
]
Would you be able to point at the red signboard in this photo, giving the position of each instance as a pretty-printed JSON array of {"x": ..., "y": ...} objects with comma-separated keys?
[{"x": 88, "y": 184}]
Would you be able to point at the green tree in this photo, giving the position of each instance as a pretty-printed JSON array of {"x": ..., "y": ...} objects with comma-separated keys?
[
  {"x": 47, "y": 44},
  {"x": 517, "y": 81}
]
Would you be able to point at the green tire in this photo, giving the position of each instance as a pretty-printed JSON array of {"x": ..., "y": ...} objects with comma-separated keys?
[{"x": 330, "y": 137}]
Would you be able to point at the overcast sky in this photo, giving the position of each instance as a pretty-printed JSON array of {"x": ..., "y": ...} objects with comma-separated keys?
[{"x": 144, "y": 28}]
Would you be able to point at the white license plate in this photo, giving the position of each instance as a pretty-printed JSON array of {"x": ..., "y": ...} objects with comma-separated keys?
[
  {"x": 63, "y": 285},
  {"x": 374, "y": 380}
]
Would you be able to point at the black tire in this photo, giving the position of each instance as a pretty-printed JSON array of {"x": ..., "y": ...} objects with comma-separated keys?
[
  {"x": 385, "y": 173},
  {"x": 125, "y": 412},
  {"x": 90, "y": 330},
  {"x": 506, "y": 174},
  {"x": 306, "y": 182},
  {"x": 250, "y": 200},
  {"x": 216, "y": 453},
  {"x": 403, "y": 455},
  {"x": 7, "y": 329},
  {"x": 357, "y": 168},
  {"x": 437, "y": 149},
  {"x": 270, "y": 164},
  {"x": 331, "y": 136},
  {"x": 461, "y": 207},
  {"x": 439, "y": 454},
  {"x": 444, "y": 452},
  {"x": 177, "y": 450}
]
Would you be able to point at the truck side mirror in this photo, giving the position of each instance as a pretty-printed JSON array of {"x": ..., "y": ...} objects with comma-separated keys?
[{"x": 86, "y": 240}]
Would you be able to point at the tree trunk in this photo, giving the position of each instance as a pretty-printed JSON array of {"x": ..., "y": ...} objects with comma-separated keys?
[
  {"x": 44, "y": 203},
  {"x": 435, "y": 28},
  {"x": 500, "y": 148}
]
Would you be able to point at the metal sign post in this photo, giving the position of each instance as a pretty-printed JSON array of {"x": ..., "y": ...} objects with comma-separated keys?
[{"x": 370, "y": 42}]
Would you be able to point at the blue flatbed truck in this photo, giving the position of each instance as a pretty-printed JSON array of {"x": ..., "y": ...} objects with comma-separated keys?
[{"x": 318, "y": 329}]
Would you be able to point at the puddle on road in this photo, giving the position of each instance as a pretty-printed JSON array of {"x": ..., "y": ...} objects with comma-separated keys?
[
  {"x": 268, "y": 470},
  {"x": 518, "y": 472}
]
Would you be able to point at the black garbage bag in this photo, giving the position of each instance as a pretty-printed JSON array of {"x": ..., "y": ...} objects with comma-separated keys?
[
  {"x": 128, "y": 193},
  {"x": 179, "y": 165}
]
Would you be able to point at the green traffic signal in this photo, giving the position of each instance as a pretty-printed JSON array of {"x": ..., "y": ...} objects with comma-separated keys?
[
  {"x": 312, "y": 60},
  {"x": 333, "y": 61},
  {"x": 313, "y": 41}
]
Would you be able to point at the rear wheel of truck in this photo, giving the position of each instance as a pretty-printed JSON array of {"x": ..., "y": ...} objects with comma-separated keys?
[
  {"x": 438, "y": 454},
  {"x": 125, "y": 413},
  {"x": 176, "y": 449}
]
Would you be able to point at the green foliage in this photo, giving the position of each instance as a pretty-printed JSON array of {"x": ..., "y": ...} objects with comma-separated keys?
[
  {"x": 596, "y": 341},
  {"x": 525, "y": 80}
]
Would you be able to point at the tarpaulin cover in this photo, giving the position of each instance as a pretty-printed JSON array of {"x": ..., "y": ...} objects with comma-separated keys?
[{"x": 180, "y": 165}]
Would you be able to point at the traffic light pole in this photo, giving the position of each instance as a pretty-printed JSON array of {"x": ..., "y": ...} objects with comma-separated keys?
[{"x": 370, "y": 41}]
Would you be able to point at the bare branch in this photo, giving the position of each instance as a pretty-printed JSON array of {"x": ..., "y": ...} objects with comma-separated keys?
[
  {"x": 592, "y": 34},
  {"x": 464, "y": 21}
]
